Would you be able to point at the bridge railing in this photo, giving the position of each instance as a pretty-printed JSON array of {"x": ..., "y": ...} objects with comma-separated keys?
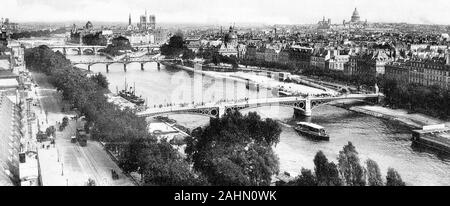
[{"x": 130, "y": 60}]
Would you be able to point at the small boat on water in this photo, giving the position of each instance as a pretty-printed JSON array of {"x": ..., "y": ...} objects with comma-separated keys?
[{"x": 311, "y": 130}]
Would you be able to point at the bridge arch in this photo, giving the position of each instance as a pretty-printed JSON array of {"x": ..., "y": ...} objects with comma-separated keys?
[
  {"x": 61, "y": 50},
  {"x": 131, "y": 62},
  {"x": 88, "y": 51}
]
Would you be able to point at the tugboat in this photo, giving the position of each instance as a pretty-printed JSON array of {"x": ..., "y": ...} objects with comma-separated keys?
[
  {"x": 311, "y": 130},
  {"x": 130, "y": 95}
]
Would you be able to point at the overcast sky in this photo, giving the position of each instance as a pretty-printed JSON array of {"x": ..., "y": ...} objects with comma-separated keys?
[{"x": 228, "y": 11}]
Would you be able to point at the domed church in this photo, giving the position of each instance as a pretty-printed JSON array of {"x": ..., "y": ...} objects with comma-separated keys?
[
  {"x": 231, "y": 37},
  {"x": 229, "y": 43},
  {"x": 355, "y": 16},
  {"x": 355, "y": 21}
]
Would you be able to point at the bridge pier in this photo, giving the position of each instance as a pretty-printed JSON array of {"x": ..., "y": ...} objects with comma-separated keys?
[
  {"x": 247, "y": 91},
  {"x": 80, "y": 52},
  {"x": 142, "y": 66},
  {"x": 222, "y": 112},
  {"x": 125, "y": 67},
  {"x": 89, "y": 67},
  {"x": 107, "y": 68},
  {"x": 235, "y": 90},
  {"x": 301, "y": 113},
  {"x": 307, "y": 112},
  {"x": 224, "y": 89},
  {"x": 64, "y": 51}
]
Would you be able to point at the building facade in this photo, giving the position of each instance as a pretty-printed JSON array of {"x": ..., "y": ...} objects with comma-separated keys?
[
  {"x": 337, "y": 60},
  {"x": 426, "y": 72},
  {"x": 350, "y": 67},
  {"x": 9, "y": 138},
  {"x": 319, "y": 58},
  {"x": 324, "y": 24},
  {"x": 147, "y": 22}
]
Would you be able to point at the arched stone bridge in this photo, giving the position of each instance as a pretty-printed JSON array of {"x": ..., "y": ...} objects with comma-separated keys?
[
  {"x": 79, "y": 48},
  {"x": 83, "y": 49},
  {"x": 301, "y": 106},
  {"x": 107, "y": 62}
]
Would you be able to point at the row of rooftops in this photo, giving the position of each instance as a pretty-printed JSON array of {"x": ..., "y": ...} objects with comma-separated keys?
[{"x": 437, "y": 63}]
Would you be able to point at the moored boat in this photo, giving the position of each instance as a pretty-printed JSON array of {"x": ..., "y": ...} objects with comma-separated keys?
[{"x": 131, "y": 96}]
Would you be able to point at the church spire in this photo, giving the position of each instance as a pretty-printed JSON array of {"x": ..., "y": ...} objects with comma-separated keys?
[{"x": 129, "y": 19}]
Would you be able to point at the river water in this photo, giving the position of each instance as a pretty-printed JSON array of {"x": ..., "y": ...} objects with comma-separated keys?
[{"x": 383, "y": 141}]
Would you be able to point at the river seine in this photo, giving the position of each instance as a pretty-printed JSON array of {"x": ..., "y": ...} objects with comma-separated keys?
[{"x": 386, "y": 142}]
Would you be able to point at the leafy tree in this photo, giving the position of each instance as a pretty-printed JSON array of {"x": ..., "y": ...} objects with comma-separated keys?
[
  {"x": 373, "y": 173},
  {"x": 171, "y": 173},
  {"x": 95, "y": 39},
  {"x": 349, "y": 166},
  {"x": 165, "y": 167},
  {"x": 217, "y": 58},
  {"x": 176, "y": 47},
  {"x": 131, "y": 159},
  {"x": 393, "y": 178},
  {"x": 235, "y": 150},
  {"x": 50, "y": 131},
  {"x": 39, "y": 33},
  {"x": 326, "y": 172},
  {"x": 224, "y": 172},
  {"x": 431, "y": 100},
  {"x": 306, "y": 178},
  {"x": 101, "y": 80},
  {"x": 118, "y": 44},
  {"x": 188, "y": 54},
  {"x": 176, "y": 41}
]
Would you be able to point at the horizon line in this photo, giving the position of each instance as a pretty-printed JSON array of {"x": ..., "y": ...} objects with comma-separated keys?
[{"x": 219, "y": 23}]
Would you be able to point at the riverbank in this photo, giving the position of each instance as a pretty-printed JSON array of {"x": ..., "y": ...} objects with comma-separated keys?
[
  {"x": 375, "y": 138},
  {"x": 411, "y": 120},
  {"x": 263, "y": 81}
]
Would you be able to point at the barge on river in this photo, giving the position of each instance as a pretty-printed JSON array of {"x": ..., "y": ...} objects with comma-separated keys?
[
  {"x": 436, "y": 137},
  {"x": 312, "y": 131}
]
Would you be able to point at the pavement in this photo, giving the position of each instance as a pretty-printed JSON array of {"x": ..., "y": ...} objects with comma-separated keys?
[
  {"x": 66, "y": 163},
  {"x": 69, "y": 164},
  {"x": 413, "y": 119}
]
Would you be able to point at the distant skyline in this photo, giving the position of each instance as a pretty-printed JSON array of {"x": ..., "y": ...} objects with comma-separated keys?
[{"x": 228, "y": 11}]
